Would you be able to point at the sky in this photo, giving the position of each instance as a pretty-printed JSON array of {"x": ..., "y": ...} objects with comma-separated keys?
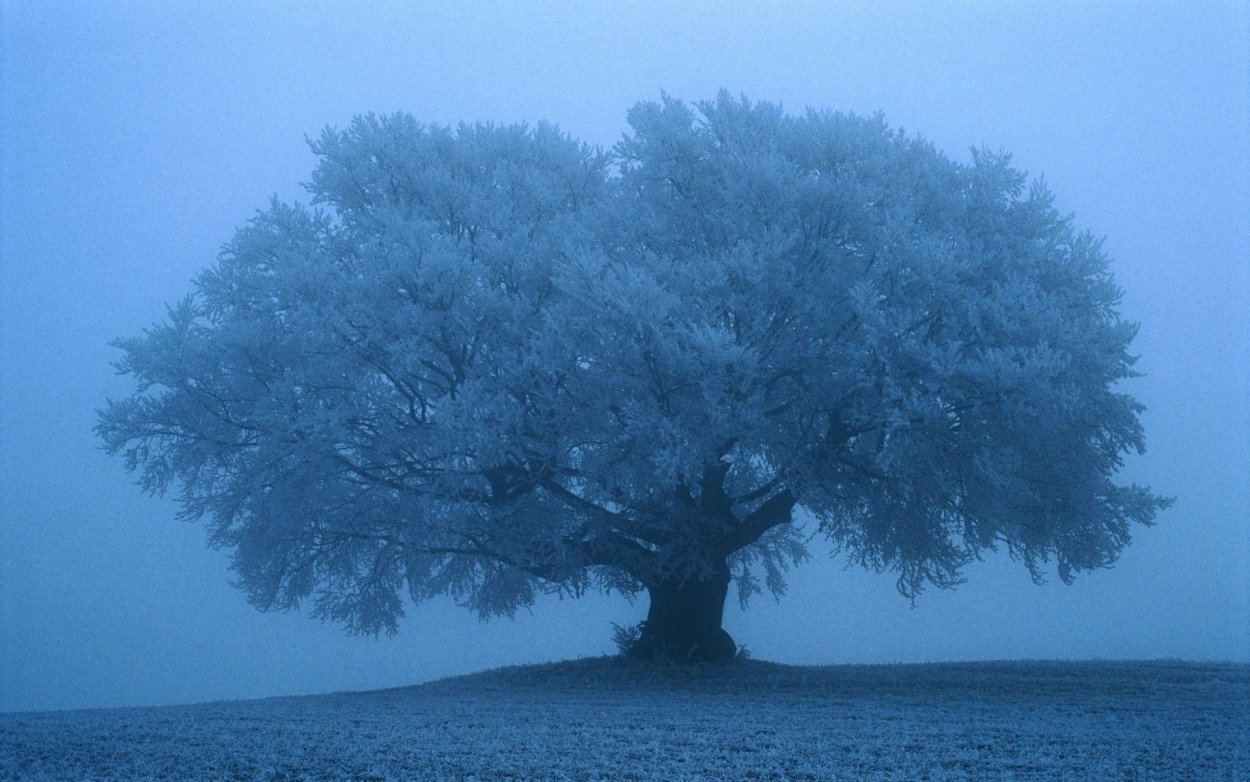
[{"x": 137, "y": 136}]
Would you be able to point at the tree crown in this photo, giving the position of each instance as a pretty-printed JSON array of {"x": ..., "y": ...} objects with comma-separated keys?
[{"x": 491, "y": 361}]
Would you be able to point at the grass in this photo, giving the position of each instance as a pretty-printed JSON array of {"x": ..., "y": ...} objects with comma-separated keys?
[{"x": 610, "y": 719}]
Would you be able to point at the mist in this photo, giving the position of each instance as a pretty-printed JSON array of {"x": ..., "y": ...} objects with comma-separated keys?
[{"x": 137, "y": 138}]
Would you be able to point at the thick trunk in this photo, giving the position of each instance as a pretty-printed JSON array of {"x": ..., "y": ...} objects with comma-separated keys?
[{"x": 684, "y": 621}]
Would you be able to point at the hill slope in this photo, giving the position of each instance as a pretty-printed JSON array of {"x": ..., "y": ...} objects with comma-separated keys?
[{"x": 610, "y": 719}]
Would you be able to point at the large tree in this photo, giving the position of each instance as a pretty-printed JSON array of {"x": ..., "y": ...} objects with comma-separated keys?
[{"x": 491, "y": 362}]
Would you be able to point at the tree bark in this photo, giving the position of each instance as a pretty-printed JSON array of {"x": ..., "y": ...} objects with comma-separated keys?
[{"x": 684, "y": 621}]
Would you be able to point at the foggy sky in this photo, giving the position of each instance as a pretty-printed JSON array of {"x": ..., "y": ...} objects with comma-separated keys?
[{"x": 138, "y": 136}]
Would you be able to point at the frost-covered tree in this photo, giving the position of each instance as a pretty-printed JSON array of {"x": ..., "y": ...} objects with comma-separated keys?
[{"x": 491, "y": 362}]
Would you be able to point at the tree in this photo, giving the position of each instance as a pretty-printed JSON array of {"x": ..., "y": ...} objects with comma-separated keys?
[{"x": 493, "y": 362}]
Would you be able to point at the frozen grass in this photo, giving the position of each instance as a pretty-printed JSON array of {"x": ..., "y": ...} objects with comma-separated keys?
[{"x": 608, "y": 719}]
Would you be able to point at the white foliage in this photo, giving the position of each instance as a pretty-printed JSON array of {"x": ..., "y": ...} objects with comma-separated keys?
[{"x": 491, "y": 361}]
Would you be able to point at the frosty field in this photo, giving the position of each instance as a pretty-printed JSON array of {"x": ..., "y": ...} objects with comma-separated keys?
[{"x": 608, "y": 719}]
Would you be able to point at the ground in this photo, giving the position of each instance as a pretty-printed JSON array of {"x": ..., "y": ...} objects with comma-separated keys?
[{"x": 613, "y": 719}]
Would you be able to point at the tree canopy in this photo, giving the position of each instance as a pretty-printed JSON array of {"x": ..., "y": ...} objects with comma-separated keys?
[{"x": 492, "y": 361}]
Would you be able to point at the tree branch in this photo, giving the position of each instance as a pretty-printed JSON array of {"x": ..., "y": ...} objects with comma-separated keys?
[{"x": 775, "y": 511}]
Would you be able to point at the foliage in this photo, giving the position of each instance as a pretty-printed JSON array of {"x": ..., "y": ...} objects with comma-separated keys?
[
  {"x": 626, "y": 637},
  {"x": 492, "y": 361}
]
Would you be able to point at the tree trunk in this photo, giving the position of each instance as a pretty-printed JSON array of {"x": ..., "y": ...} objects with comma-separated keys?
[{"x": 684, "y": 621}]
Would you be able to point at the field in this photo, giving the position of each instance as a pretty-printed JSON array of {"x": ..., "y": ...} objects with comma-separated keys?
[{"x": 608, "y": 719}]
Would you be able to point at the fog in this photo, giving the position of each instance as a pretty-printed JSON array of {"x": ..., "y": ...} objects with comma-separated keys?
[{"x": 137, "y": 137}]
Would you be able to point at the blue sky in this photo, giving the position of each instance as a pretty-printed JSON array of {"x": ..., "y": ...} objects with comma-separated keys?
[{"x": 137, "y": 136}]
